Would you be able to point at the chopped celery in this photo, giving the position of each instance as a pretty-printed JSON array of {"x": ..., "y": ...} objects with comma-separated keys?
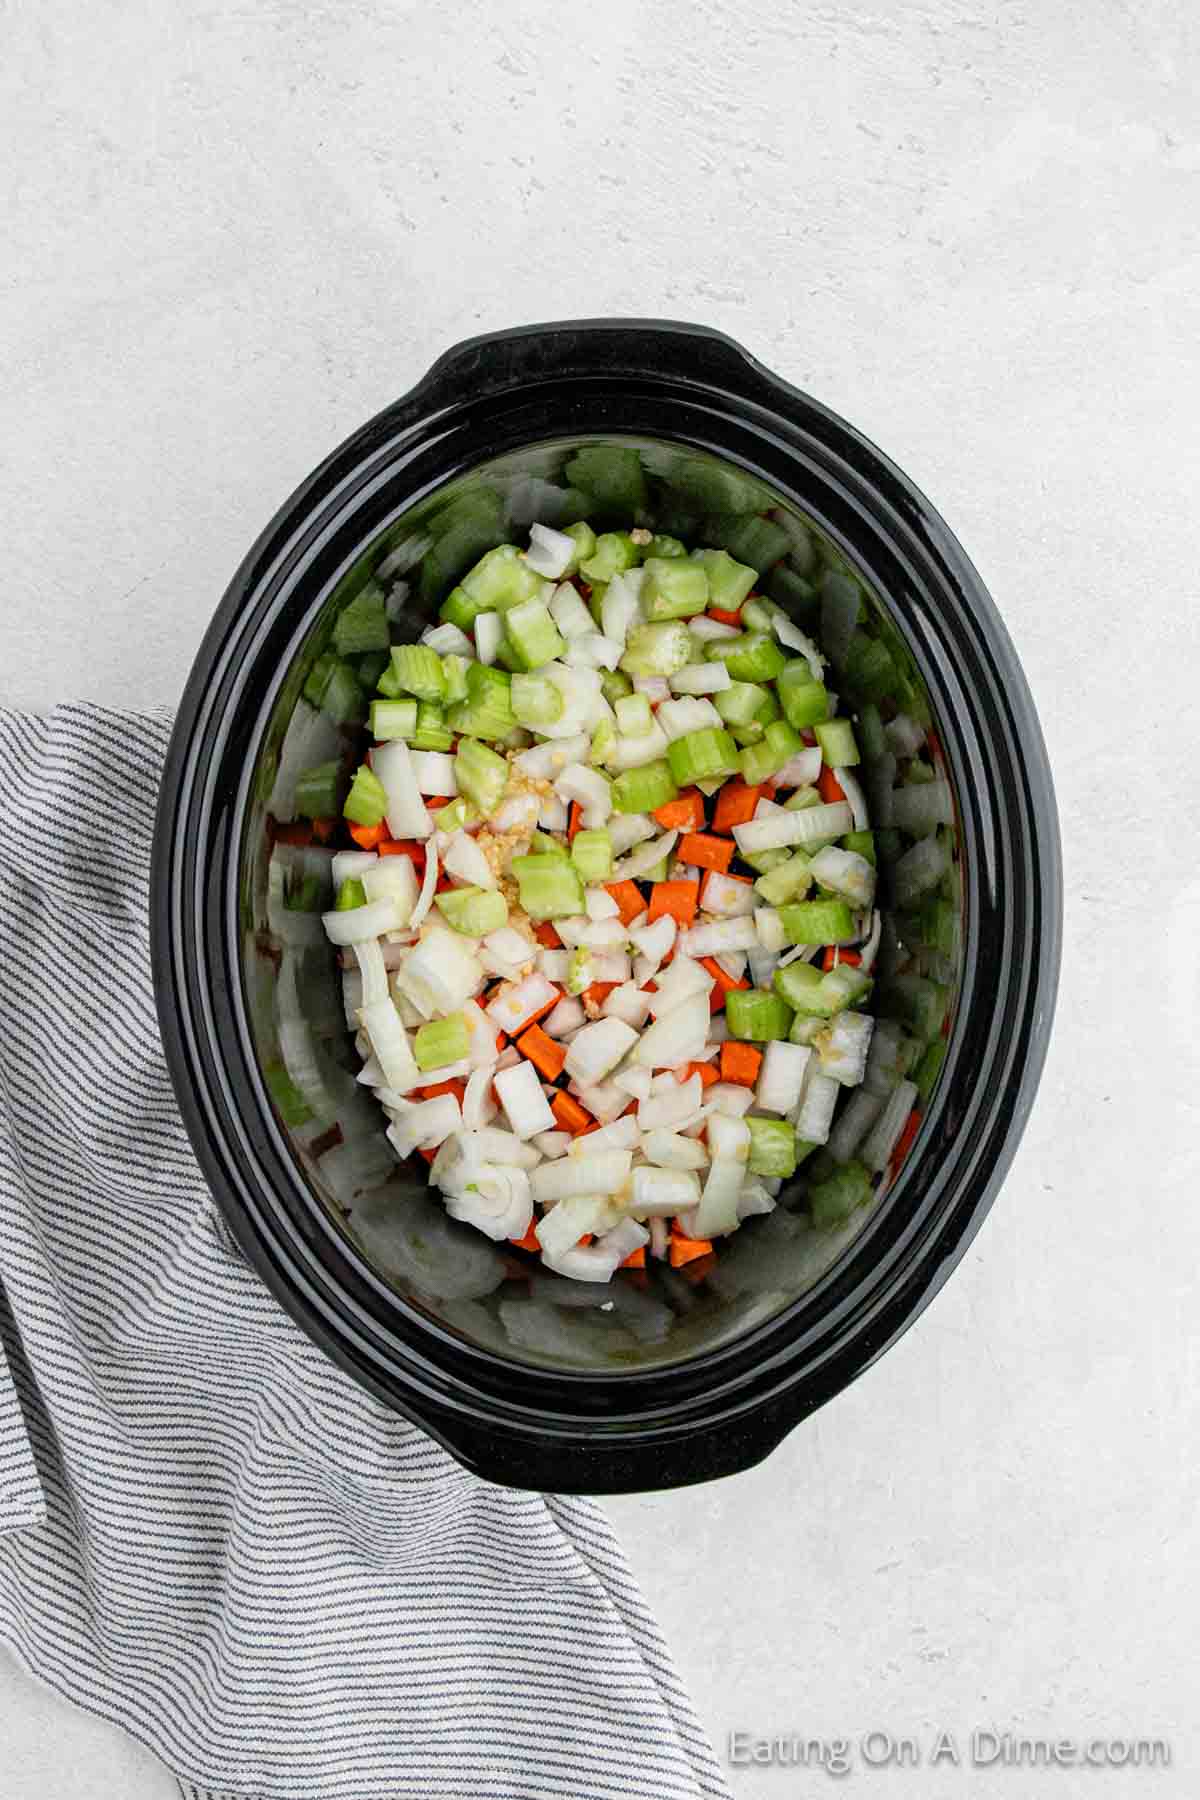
[
  {"x": 584, "y": 540},
  {"x": 532, "y": 634},
  {"x": 772, "y": 1148},
  {"x": 615, "y": 685},
  {"x": 500, "y": 579},
  {"x": 788, "y": 880},
  {"x": 418, "y": 670},
  {"x": 393, "y": 719},
  {"x": 728, "y": 582},
  {"x": 535, "y": 699},
  {"x": 800, "y": 801},
  {"x": 604, "y": 741},
  {"x": 661, "y": 649},
  {"x": 742, "y": 703},
  {"x": 644, "y": 789},
  {"x": 674, "y": 588},
  {"x": 366, "y": 803},
  {"x": 550, "y": 887},
  {"x": 615, "y": 552},
  {"x": 760, "y": 761},
  {"x": 836, "y": 738},
  {"x": 487, "y": 710},
  {"x": 592, "y": 854},
  {"x": 352, "y": 893},
  {"x": 820, "y": 996},
  {"x": 833, "y": 1200},
  {"x": 805, "y": 702},
  {"x": 462, "y": 609},
  {"x": 473, "y": 911},
  {"x": 634, "y": 717},
  {"x": 702, "y": 756},
  {"x": 457, "y": 814},
  {"x": 318, "y": 791},
  {"x": 752, "y": 657},
  {"x": 482, "y": 774},
  {"x": 757, "y": 1015},
  {"x": 663, "y": 545},
  {"x": 454, "y": 669},
  {"x": 431, "y": 732},
  {"x": 363, "y": 625},
  {"x": 763, "y": 861},
  {"x": 862, "y": 843},
  {"x": 579, "y": 970},
  {"x": 441, "y": 1042},
  {"x": 817, "y": 922}
]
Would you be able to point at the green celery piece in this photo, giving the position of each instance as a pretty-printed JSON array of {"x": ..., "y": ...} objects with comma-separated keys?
[
  {"x": 645, "y": 789},
  {"x": 788, "y": 880},
  {"x": 542, "y": 844},
  {"x": 502, "y": 578},
  {"x": 431, "y": 732},
  {"x": 604, "y": 741},
  {"x": 535, "y": 699},
  {"x": 363, "y": 625},
  {"x": 350, "y": 895},
  {"x": 532, "y": 634},
  {"x": 800, "y": 801},
  {"x": 660, "y": 649},
  {"x": 634, "y": 718},
  {"x": 836, "y": 738},
  {"x": 366, "y": 803},
  {"x": 756, "y": 1015},
  {"x": 614, "y": 553},
  {"x": 760, "y": 761},
  {"x": 457, "y": 814},
  {"x": 817, "y": 922},
  {"x": 729, "y": 582},
  {"x": 702, "y": 756},
  {"x": 805, "y": 702},
  {"x": 393, "y": 719},
  {"x": 462, "y": 609},
  {"x": 482, "y": 775},
  {"x": 772, "y": 1148},
  {"x": 584, "y": 540},
  {"x": 662, "y": 544},
  {"x": 318, "y": 791},
  {"x": 862, "y": 843},
  {"x": 441, "y": 1042},
  {"x": 752, "y": 657},
  {"x": 592, "y": 854},
  {"x": 674, "y": 588},
  {"x": 763, "y": 861},
  {"x": 742, "y": 703},
  {"x": 473, "y": 911},
  {"x": 832, "y": 1201},
  {"x": 549, "y": 886},
  {"x": 615, "y": 685},
  {"x": 454, "y": 670},
  {"x": 579, "y": 970},
  {"x": 487, "y": 710},
  {"x": 418, "y": 670}
]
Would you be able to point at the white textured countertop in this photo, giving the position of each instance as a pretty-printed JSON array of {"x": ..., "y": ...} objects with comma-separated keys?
[{"x": 234, "y": 232}]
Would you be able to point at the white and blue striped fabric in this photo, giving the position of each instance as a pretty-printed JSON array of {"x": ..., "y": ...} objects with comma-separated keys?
[{"x": 208, "y": 1533}]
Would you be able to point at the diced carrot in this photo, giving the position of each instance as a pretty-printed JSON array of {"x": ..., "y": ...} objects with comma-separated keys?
[
  {"x": 427, "y": 1154},
  {"x": 444, "y": 884},
  {"x": 703, "y": 851},
  {"x": 904, "y": 1142},
  {"x": 584, "y": 1241},
  {"x": 455, "y": 1087},
  {"x": 833, "y": 956},
  {"x": 403, "y": 847},
  {"x": 740, "y": 1062},
  {"x": 529, "y": 1241},
  {"x": 546, "y": 936},
  {"x": 576, "y": 818},
  {"x": 501, "y": 1040},
  {"x": 296, "y": 831},
  {"x": 323, "y": 829},
  {"x": 676, "y": 899},
  {"x": 570, "y": 1115},
  {"x": 700, "y": 1269},
  {"x": 684, "y": 813},
  {"x": 829, "y": 787},
  {"x": 723, "y": 983},
  {"x": 544, "y": 1053},
  {"x": 628, "y": 897},
  {"x": 433, "y": 801},
  {"x": 723, "y": 617},
  {"x": 599, "y": 991},
  {"x": 369, "y": 837},
  {"x": 708, "y": 1075},
  {"x": 735, "y": 805},
  {"x": 636, "y": 1258},
  {"x": 685, "y": 1249}
]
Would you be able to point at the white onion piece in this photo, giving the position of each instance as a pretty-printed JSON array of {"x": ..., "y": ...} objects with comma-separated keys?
[
  {"x": 546, "y": 761},
  {"x": 855, "y": 798},
  {"x": 800, "y": 770},
  {"x": 478, "y": 1107},
  {"x": 350, "y": 864},
  {"x": 790, "y": 634},
  {"x": 407, "y": 815},
  {"x": 464, "y": 861},
  {"x": 428, "y": 885},
  {"x": 525, "y": 1105},
  {"x": 361, "y": 922},
  {"x": 645, "y": 857},
  {"x": 489, "y": 635},
  {"x": 374, "y": 974},
  {"x": 702, "y": 678},
  {"x": 549, "y": 552}
]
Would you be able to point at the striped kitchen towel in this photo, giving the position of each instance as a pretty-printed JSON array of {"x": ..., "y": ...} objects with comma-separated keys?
[{"x": 208, "y": 1533}]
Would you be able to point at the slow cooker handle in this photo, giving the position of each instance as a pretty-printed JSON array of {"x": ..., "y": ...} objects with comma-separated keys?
[{"x": 497, "y": 361}]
